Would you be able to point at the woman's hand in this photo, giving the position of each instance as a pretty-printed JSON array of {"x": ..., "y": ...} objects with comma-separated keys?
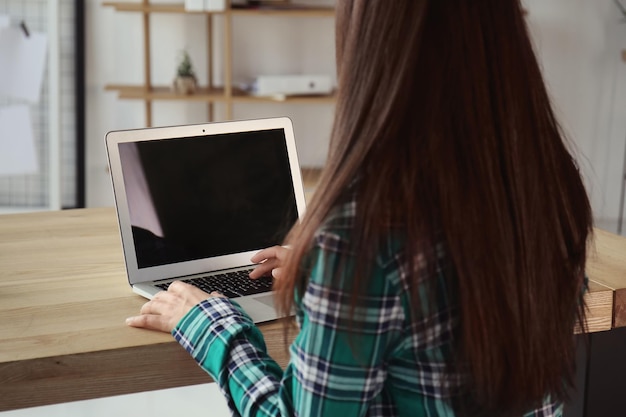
[
  {"x": 270, "y": 262},
  {"x": 166, "y": 309}
]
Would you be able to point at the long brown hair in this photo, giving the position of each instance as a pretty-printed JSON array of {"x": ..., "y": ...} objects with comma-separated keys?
[{"x": 443, "y": 116}]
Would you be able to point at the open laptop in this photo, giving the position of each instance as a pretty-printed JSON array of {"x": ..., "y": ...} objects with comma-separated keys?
[{"x": 195, "y": 202}]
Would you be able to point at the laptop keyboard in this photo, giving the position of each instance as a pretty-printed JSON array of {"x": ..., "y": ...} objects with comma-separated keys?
[{"x": 231, "y": 284}]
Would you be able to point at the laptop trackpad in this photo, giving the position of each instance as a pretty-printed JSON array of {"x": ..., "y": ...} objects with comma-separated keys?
[{"x": 268, "y": 300}]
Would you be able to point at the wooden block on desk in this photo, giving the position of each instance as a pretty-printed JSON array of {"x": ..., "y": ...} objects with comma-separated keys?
[
  {"x": 619, "y": 312},
  {"x": 606, "y": 266},
  {"x": 599, "y": 302}
]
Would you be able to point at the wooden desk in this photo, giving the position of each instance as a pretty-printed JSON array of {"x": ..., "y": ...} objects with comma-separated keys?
[
  {"x": 63, "y": 301},
  {"x": 64, "y": 298}
]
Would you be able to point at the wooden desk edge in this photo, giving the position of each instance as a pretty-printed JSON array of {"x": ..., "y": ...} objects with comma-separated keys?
[{"x": 52, "y": 380}]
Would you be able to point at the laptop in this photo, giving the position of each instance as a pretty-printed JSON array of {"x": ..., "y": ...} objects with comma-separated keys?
[{"x": 196, "y": 202}]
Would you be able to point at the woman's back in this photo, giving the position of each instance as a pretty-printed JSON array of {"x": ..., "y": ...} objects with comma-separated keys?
[
  {"x": 379, "y": 354},
  {"x": 443, "y": 117}
]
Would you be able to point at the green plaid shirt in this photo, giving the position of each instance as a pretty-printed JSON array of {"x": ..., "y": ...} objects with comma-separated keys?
[{"x": 394, "y": 366}]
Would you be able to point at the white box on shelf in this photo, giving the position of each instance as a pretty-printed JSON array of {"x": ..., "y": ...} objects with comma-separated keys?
[
  {"x": 269, "y": 85},
  {"x": 214, "y": 5},
  {"x": 194, "y": 5}
]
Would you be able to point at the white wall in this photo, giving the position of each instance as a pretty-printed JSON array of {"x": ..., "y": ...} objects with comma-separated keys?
[
  {"x": 578, "y": 43},
  {"x": 261, "y": 45}
]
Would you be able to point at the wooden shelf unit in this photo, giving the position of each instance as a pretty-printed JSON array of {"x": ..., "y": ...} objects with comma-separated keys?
[
  {"x": 205, "y": 94},
  {"x": 180, "y": 8},
  {"x": 227, "y": 95}
]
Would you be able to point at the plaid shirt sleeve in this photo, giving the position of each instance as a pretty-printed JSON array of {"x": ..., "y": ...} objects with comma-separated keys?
[
  {"x": 370, "y": 360},
  {"x": 224, "y": 341}
]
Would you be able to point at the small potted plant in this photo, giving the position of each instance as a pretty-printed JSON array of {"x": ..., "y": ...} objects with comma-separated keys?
[{"x": 185, "y": 81}]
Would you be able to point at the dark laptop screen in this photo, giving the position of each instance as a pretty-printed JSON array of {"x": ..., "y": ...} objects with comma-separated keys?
[{"x": 200, "y": 197}]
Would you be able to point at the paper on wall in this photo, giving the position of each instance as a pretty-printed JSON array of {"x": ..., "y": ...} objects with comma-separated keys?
[
  {"x": 22, "y": 63},
  {"x": 17, "y": 144}
]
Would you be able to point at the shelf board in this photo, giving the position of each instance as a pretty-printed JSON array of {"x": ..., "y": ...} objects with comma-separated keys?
[
  {"x": 204, "y": 94},
  {"x": 125, "y": 6},
  {"x": 165, "y": 93},
  {"x": 242, "y": 96},
  {"x": 261, "y": 11},
  {"x": 285, "y": 11}
]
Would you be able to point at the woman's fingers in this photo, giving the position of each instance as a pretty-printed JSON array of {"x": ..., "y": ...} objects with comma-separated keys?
[
  {"x": 270, "y": 261},
  {"x": 264, "y": 269},
  {"x": 217, "y": 294},
  {"x": 179, "y": 287},
  {"x": 149, "y": 321},
  {"x": 277, "y": 252},
  {"x": 168, "y": 307}
]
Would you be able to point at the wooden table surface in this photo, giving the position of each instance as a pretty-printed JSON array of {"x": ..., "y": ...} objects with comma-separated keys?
[
  {"x": 607, "y": 270},
  {"x": 64, "y": 298}
]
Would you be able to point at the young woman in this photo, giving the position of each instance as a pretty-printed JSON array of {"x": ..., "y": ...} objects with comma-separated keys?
[{"x": 439, "y": 269}]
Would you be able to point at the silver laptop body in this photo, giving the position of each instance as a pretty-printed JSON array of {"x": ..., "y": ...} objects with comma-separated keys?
[{"x": 198, "y": 200}]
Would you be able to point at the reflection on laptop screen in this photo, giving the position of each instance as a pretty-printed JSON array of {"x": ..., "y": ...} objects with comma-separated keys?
[{"x": 205, "y": 196}]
